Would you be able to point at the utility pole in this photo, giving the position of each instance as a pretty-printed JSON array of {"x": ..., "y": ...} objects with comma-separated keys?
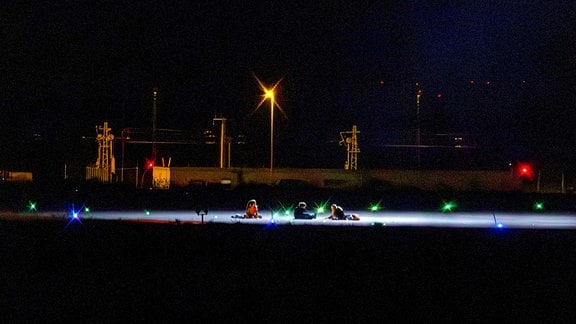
[
  {"x": 154, "y": 110},
  {"x": 418, "y": 95},
  {"x": 222, "y": 154}
]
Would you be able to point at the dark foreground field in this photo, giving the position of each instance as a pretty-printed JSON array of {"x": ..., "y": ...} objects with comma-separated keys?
[{"x": 51, "y": 271}]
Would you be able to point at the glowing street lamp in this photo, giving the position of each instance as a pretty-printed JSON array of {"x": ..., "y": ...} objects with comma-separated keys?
[{"x": 269, "y": 93}]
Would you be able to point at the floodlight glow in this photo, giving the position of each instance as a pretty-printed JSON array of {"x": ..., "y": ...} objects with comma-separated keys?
[{"x": 499, "y": 222}]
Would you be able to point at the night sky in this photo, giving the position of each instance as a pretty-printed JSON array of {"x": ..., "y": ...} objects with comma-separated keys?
[{"x": 499, "y": 73}]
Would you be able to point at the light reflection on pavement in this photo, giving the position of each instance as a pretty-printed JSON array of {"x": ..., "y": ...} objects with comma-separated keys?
[{"x": 383, "y": 218}]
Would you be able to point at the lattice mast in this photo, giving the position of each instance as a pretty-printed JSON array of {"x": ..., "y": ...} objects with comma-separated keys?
[
  {"x": 350, "y": 138},
  {"x": 105, "y": 140}
]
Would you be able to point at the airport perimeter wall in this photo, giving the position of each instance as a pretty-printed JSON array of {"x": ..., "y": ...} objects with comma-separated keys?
[{"x": 348, "y": 179}]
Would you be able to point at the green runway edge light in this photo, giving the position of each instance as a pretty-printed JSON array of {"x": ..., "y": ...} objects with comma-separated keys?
[
  {"x": 538, "y": 205},
  {"x": 448, "y": 206},
  {"x": 321, "y": 207},
  {"x": 375, "y": 207}
]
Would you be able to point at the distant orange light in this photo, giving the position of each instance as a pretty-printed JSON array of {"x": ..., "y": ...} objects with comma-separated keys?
[{"x": 269, "y": 93}]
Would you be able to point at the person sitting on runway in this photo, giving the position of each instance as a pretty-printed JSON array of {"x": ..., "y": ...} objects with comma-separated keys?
[
  {"x": 302, "y": 213},
  {"x": 252, "y": 210},
  {"x": 337, "y": 213}
]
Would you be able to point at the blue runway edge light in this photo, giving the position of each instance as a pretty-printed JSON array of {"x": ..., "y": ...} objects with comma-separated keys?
[{"x": 74, "y": 215}]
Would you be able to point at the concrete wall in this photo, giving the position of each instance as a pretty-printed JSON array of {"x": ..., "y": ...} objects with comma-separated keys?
[
  {"x": 338, "y": 178},
  {"x": 184, "y": 176}
]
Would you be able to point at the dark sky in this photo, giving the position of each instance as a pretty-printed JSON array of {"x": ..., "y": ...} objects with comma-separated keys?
[{"x": 500, "y": 72}]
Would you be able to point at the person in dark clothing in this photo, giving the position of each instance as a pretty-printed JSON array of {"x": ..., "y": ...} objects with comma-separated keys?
[{"x": 302, "y": 213}]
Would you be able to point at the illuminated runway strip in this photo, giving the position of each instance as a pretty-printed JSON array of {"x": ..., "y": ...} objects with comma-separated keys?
[{"x": 388, "y": 218}]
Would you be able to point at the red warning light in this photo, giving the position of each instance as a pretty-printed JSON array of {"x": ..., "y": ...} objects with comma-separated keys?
[{"x": 525, "y": 171}]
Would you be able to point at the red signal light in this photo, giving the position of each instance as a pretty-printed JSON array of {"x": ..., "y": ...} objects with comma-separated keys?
[
  {"x": 149, "y": 164},
  {"x": 525, "y": 171}
]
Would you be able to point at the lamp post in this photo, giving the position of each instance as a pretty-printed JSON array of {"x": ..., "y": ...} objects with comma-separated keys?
[
  {"x": 269, "y": 93},
  {"x": 154, "y": 110},
  {"x": 222, "y": 139},
  {"x": 418, "y": 95}
]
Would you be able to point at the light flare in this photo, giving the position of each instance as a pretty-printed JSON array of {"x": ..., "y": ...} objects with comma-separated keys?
[{"x": 269, "y": 93}]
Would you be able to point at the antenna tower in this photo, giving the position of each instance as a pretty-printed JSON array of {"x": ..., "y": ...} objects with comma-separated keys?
[
  {"x": 105, "y": 160},
  {"x": 350, "y": 138}
]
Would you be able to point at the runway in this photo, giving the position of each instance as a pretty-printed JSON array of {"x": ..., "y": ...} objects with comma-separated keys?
[{"x": 540, "y": 220}]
